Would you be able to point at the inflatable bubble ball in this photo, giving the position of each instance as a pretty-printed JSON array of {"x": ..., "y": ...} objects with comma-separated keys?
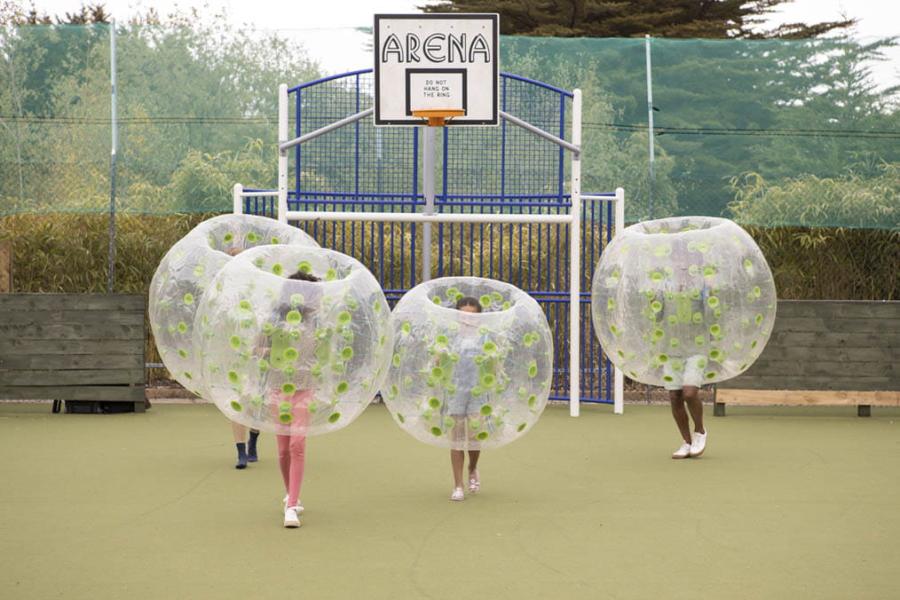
[
  {"x": 293, "y": 340},
  {"x": 472, "y": 363},
  {"x": 184, "y": 274},
  {"x": 683, "y": 301}
]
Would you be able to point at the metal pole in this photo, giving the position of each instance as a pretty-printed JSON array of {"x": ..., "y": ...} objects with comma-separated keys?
[
  {"x": 570, "y": 146},
  {"x": 652, "y": 154},
  {"x": 428, "y": 190},
  {"x": 575, "y": 265},
  {"x": 618, "y": 376},
  {"x": 288, "y": 144},
  {"x": 282, "y": 153},
  {"x": 237, "y": 193},
  {"x": 111, "y": 276}
]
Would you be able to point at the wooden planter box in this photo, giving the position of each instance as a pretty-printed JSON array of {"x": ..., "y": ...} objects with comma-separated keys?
[{"x": 72, "y": 347}]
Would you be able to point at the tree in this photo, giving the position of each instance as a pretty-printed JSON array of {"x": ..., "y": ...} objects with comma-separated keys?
[{"x": 628, "y": 18}]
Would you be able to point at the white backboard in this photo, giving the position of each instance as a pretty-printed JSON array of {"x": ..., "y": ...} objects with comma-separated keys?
[{"x": 436, "y": 61}]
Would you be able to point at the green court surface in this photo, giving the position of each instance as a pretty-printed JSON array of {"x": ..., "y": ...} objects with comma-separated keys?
[{"x": 799, "y": 503}]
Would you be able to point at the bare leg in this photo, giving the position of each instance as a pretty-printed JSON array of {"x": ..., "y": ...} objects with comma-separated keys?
[
  {"x": 239, "y": 432},
  {"x": 680, "y": 414},
  {"x": 473, "y": 459},
  {"x": 457, "y": 458},
  {"x": 695, "y": 406}
]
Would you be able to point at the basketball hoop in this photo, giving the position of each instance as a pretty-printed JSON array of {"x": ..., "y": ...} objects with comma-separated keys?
[{"x": 438, "y": 117}]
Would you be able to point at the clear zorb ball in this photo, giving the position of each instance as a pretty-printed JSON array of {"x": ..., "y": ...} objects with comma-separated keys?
[
  {"x": 683, "y": 301},
  {"x": 290, "y": 356},
  {"x": 468, "y": 380},
  {"x": 186, "y": 271}
]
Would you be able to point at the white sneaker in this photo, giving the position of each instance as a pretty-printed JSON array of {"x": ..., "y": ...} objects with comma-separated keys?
[
  {"x": 457, "y": 495},
  {"x": 291, "y": 519},
  {"x": 284, "y": 506},
  {"x": 698, "y": 443},
  {"x": 684, "y": 451}
]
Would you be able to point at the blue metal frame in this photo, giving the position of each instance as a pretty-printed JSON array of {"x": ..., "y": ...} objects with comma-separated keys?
[{"x": 363, "y": 168}]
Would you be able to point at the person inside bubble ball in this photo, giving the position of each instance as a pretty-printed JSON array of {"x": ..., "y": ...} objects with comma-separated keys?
[
  {"x": 291, "y": 407},
  {"x": 463, "y": 404},
  {"x": 683, "y": 372},
  {"x": 246, "y": 446}
]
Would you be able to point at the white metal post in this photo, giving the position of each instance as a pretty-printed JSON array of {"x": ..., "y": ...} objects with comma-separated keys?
[
  {"x": 652, "y": 154},
  {"x": 575, "y": 265},
  {"x": 282, "y": 153},
  {"x": 237, "y": 201},
  {"x": 619, "y": 377},
  {"x": 428, "y": 190}
]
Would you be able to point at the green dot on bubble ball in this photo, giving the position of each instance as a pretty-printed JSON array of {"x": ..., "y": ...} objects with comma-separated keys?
[
  {"x": 710, "y": 375},
  {"x": 532, "y": 400},
  {"x": 274, "y": 240},
  {"x": 620, "y": 353},
  {"x": 441, "y": 340},
  {"x": 437, "y": 372},
  {"x": 188, "y": 375},
  {"x": 699, "y": 340},
  {"x": 656, "y": 276},
  {"x": 406, "y": 327},
  {"x": 434, "y": 402},
  {"x": 235, "y": 342},
  {"x": 293, "y": 317},
  {"x": 228, "y": 237},
  {"x": 674, "y": 343},
  {"x": 342, "y": 387},
  {"x": 474, "y": 424},
  {"x": 709, "y": 271},
  {"x": 759, "y": 319},
  {"x": 673, "y": 320},
  {"x": 436, "y": 300},
  {"x": 245, "y": 305},
  {"x": 496, "y": 297},
  {"x": 182, "y": 327},
  {"x": 712, "y": 301},
  {"x": 663, "y": 358},
  {"x": 347, "y": 353},
  {"x": 715, "y": 329},
  {"x": 656, "y": 306},
  {"x": 284, "y": 407},
  {"x": 753, "y": 344},
  {"x": 396, "y": 360},
  {"x": 198, "y": 271},
  {"x": 263, "y": 365},
  {"x": 288, "y": 388},
  {"x": 658, "y": 334},
  {"x": 236, "y": 406},
  {"x": 401, "y": 418},
  {"x": 291, "y": 354},
  {"x": 485, "y": 301},
  {"x": 532, "y": 369},
  {"x": 748, "y": 265},
  {"x": 333, "y": 417},
  {"x": 451, "y": 293},
  {"x": 521, "y": 427},
  {"x": 286, "y": 418},
  {"x": 436, "y": 431},
  {"x": 489, "y": 347},
  {"x": 330, "y": 275},
  {"x": 233, "y": 377},
  {"x": 488, "y": 380},
  {"x": 667, "y": 378},
  {"x": 277, "y": 269},
  {"x": 252, "y": 237},
  {"x": 716, "y": 355},
  {"x": 482, "y": 436},
  {"x": 182, "y": 353},
  {"x": 507, "y": 305},
  {"x": 344, "y": 317},
  {"x": 304, "y": 267}
]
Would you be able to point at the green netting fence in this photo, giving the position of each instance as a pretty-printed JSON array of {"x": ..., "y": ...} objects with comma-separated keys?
[{"x": 802, "y": 133}]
